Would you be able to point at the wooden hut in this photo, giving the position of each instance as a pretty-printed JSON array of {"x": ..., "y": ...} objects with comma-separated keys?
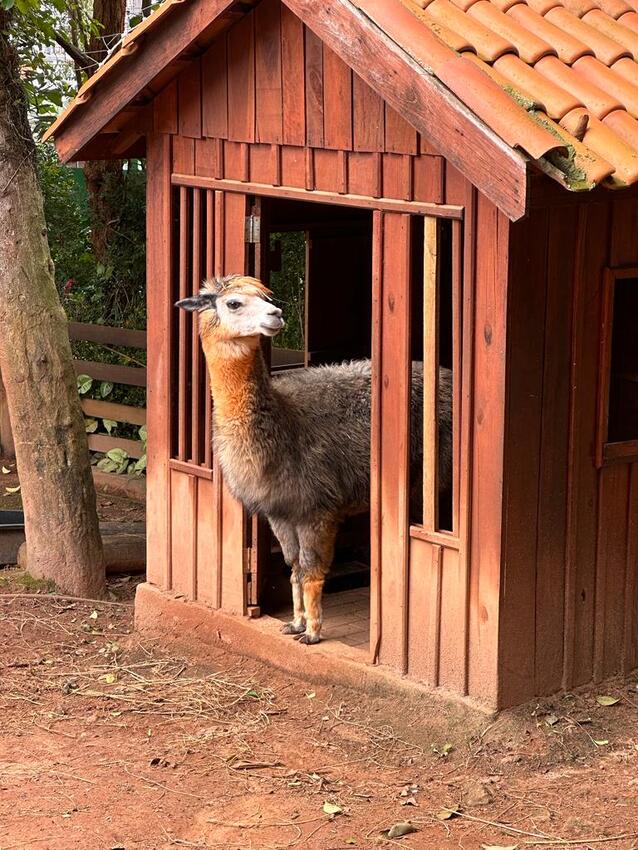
[{"x": 450, "y": 164}]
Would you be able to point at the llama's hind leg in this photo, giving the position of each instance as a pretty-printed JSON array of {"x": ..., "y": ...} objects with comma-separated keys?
[
  {"x": 286, "y": 534},
  {"x": 316, "y": 550},
  {"x": 298, "y": 624}
]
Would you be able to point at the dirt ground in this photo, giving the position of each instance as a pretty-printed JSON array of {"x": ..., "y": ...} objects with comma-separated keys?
[
  {"x": 112, "y": 508},
  {"x": 109, "y": 741}
]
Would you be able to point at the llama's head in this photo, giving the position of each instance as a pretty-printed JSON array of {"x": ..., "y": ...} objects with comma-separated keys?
[{"x": 234, "y": 308}]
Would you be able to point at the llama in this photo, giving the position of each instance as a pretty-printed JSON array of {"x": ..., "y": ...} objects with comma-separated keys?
[{"x": 295, "y": 448}]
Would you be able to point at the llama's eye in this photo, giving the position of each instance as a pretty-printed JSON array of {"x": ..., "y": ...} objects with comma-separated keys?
[{"x": 233, "y": 305}]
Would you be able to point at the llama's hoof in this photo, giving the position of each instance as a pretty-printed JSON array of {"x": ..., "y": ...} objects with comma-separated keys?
[
  {"x": 293, "y": 629},
  {"x": 308, "y": 638}
]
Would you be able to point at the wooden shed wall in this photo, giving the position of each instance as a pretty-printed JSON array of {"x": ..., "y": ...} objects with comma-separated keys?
[
  {"x": 269, "y": 108},
  {"x": 570, "y": 536}
]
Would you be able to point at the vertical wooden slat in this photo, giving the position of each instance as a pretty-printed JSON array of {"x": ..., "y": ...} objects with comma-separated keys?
[
  {"x": 210, "y": 271},
  {"x": 160, "y": 344},
  {"x": 268, "y": 79},
  {"x": 375, "y": 436},
  {"x": 395, "y": 429},
  {"x": 219, "y": 242},
  {"x": 165, "y": 109},
  {"x": 196, "y": 267},
  {"x": 292, "y": 72},
  {"x": 430, "y": 373},
  {"x": 630, "y": 624},
  {"x": 241, "y": 81},
  {"x": 337, "y": 92},
  {"x": 184, "y": 533},
  {"x": 368, "y": 117},
  {"x": 189, "y": 93},
  {"x": 233, "y": 514},
  {"x": 400, "y": 137},
  {"x": 182, "y": 350},
  {"x": 314, "y": 89},
  {"x": 457, "y": 367},
  {"x": 215, "y": 91}
]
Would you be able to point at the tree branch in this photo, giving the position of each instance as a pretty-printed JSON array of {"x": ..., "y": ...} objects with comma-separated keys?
[{"x": 82, "y": 61}]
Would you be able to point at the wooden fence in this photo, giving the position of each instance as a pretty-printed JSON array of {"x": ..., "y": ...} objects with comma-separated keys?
[{"x": 99, "y": 408}]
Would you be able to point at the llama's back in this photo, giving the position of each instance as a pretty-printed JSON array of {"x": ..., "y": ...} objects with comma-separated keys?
[{"x": 327, "y": 455}]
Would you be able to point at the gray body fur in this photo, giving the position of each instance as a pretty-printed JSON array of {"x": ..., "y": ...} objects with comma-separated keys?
[{"x": 307, "y": 461}]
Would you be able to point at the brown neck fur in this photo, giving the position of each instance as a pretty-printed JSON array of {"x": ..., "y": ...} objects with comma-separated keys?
[{"x": 237, "y": 376}]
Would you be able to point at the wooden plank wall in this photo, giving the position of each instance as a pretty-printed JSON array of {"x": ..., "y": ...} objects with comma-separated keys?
[
  {"x": 570, "y": 609},
  {"x": 269, "y": 103}
]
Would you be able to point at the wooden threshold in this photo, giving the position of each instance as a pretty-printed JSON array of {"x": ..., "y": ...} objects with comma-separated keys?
[{"x": 319, "y": 196}]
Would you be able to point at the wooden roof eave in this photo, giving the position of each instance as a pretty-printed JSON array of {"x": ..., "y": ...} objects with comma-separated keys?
[
  {"x": 497, "y": 170},
  {"x": 127, "y": 73}
]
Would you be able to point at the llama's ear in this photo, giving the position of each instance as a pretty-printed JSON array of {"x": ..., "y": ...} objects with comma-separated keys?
[{"x": 197, "y": 303}]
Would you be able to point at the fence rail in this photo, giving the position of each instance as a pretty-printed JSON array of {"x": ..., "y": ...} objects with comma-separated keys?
[{"x": 134, "y": 376}]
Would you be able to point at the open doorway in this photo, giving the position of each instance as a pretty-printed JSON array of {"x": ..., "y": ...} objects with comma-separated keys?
[{"x": 317, "y": 259}]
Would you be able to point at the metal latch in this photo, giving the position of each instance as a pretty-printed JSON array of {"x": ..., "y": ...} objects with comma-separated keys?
[{"x": 253, "y": 229}]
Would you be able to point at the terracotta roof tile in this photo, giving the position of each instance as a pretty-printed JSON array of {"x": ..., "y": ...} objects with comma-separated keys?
[
  {"x": 530, "y": 47},
  {"x": 598, "y": 101},
  {"x": 579, "y": 167},
  {"x": 624, "y": 126},
  {"x": 630, "y": 20},
  {"x": 614, "y": 29},
  {"x": 543, "y": 6},
  {"x": 613, "y": 8},
  {"x": 555, "y": 100},
  {"x": 628, "y": 69},
  {"x": 605, "y": 78},
  {"x": 506, "y": 5},
  {"x": 601, "y": 138},
  {"x": 568, "y": 48},
  {"x": 605, "y": 48},
  {"x": 578, "y": 7},
  {"x": 463, "y": 5},
  {"x": 506, "y": 117},
  {"x": 488, "y": 45}
]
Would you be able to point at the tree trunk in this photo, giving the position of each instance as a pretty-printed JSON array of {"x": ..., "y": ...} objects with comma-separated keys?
[
  {"x": 37, "y": 369},
  {"x": 104, "y": 176}
]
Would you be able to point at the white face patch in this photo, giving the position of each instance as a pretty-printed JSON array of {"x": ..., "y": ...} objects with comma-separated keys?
[{"x": 243, "y": 314}]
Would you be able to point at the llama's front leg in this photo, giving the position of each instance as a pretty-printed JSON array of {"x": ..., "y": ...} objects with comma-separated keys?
[
  {"x": 313, "y": 607},
  {"x": 316, "y": 550},
  {"x": 298, "y": 624}
]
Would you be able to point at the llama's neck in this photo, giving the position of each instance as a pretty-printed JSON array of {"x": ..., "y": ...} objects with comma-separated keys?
[{"x": 240, "y": 386}]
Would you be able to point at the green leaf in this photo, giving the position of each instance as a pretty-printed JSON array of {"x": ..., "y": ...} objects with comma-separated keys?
[
  {"x": 140, "y": 466},
  {"x": 90, "y": 426},
  {"x": 606, "y": 700},
  {"x": 106, "y": 465},
  {"x": 7, "y": 4},
  {"x": 106, "y": 388},
  {"x": 118, "y": 456},
  {"x": 85, "y": 382},
  {"x": 143, "y": 433},
  {"x": 109, "y": 424}
]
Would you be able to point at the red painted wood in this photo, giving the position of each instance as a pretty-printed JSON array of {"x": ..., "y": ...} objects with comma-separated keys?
[
  {"x": 184, "y": 323},
  {"x": 394, "y": 376},
  {"x": 523, "y": 431},
  {"x": 268, "y": 78},
  {"x": 428, "y": 178},
  {"x": 207, "y": 530},
  {"x": 425, "y": 596},
  {"x": 630, "y": 619},
  {"x": 184, "y": 534},
  {"x": 165, "y": 109},
  {"x": 293, "y": 166},
  {"x": 364, "y": 174},
  {"x": 189, "y": 95},
  {"x": 215, "y": 91},
  {"x": 314, "y": 90},
  {"x": 368, "y": 117},
  {"x": 376, "y": 520},
  {"x": 487, "y": 442},
  {"x": 292, "y": 72},
  {"x": 328, "y": 174},
  {"x": 337, "y": 92},
  {"x": 241, "y": 81},
  {"x": 263, "y": 163},
  {"x": 195, "y": 454},
  {"x": 205, "y": 157},
  {"x": 159, "y": 310},
  {"x": 183, "y": 155},
  {"x": 400, "y": 137}
]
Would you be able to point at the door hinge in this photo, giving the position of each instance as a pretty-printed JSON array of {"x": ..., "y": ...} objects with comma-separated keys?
[{"x": 253, "y": 229}]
